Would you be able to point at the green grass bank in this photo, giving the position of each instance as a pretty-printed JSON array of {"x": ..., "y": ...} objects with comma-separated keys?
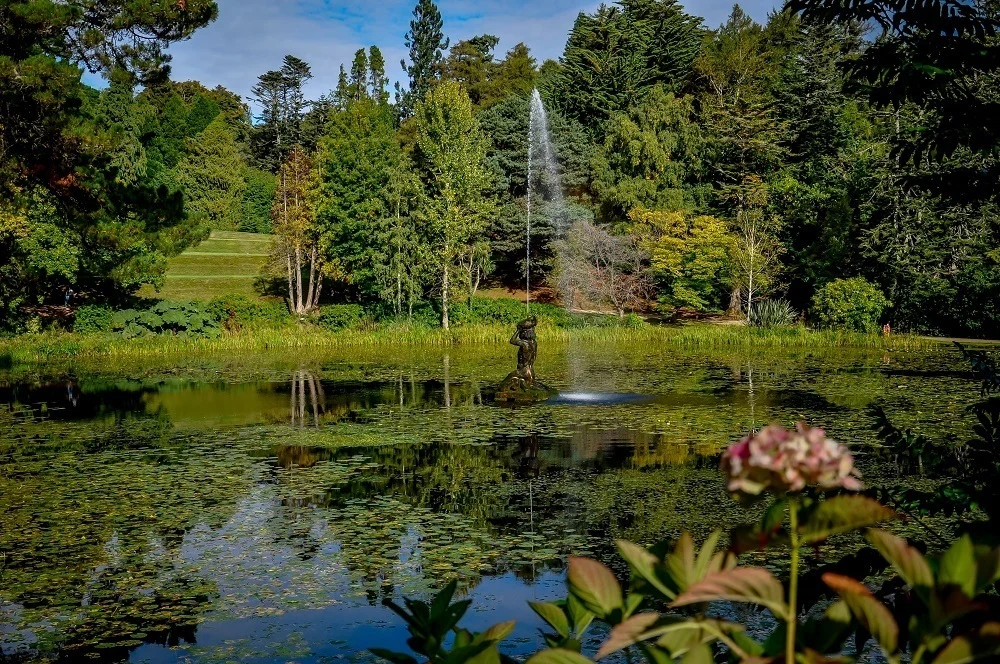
[{"x": 37, "y": 348}]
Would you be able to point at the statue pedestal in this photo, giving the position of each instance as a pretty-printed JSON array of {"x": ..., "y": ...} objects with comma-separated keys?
[{"x": 517, "y": 389}]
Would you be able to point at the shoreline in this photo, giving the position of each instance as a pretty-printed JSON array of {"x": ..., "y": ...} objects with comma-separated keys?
[{"x": 47, "y": 347}]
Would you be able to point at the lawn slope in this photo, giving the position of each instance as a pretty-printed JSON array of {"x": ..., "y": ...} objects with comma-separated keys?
[{"x": 228, "y": 262}]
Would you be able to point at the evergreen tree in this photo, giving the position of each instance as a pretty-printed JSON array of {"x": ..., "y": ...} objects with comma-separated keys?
[
  {"x": 426, "y": 43},
  {"x": 342, "y": 95},
  {"x": 612, "y": 56},
  {"x": 283, "y": 105},
  {"x": 212, "y": 174},
  {"x": 365, "y": 199},
  {"x": 452, "y": 152},
  {"x": 202, "y": 112},
  {"x": 377, "y": 78},
  {"x": 58, "y": 156},
  {"x": 359, "y": 76}
]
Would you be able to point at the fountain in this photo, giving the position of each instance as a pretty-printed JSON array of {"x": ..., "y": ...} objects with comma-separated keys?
[{"x": 520, "y": 385}]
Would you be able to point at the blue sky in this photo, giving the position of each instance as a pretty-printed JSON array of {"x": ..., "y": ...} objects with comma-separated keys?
[{"x": 252, "y": 36}]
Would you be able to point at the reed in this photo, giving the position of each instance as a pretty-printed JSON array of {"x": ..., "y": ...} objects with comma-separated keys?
[{"x": 49, "y": 346}]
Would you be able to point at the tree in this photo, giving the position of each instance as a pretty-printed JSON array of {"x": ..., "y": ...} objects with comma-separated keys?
[
  {"x": 690, "y": 256},
  {"x": 613, "y": 55},
  {"x": 757, "y": 249},
  {"x": 605, "y": 268},
  {"x": 376, "y": 73},
  {"x": 939, "y": 54},
  {"x": 283, "y": 105},
  {"x": 293, "y": 222},
  {"x": 470, "y": 63},
  {"x": 56, "y": 147},
  {"x": 427, "y": 44},
  {"x": 212, "y": 174},
  {"x": 362, "y": 195},
  {"x": 451, "y": 152},
  {"x": 258, "y": 201},
  {"x": 358, "y": 83},
  {"x": 652, "y": 156},
  {"x": 736, "y": 72}
]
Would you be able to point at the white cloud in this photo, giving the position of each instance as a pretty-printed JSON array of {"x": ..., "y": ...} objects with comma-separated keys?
[{"x": 252, "y": 36}]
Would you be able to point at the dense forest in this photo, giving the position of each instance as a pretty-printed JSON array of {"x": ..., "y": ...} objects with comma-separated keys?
[{"x": 703, "y": 169}]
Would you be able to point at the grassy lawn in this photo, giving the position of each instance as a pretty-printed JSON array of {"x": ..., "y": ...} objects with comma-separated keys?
[{"x": 226, "y": 263}]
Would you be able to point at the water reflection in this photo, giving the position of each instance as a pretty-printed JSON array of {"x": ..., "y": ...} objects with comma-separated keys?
[{"x": 276, "y": 514}]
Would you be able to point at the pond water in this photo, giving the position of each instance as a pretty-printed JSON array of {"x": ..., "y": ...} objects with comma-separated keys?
[{"x": 260, "y": 508}]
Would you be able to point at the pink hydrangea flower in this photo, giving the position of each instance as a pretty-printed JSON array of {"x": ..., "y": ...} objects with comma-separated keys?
[{"x": 783, "y": 461}]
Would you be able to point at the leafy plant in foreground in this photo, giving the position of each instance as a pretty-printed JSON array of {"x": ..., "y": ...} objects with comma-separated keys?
[{"x": 937, "y": 609}]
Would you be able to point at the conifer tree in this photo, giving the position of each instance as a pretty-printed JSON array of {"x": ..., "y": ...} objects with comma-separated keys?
[
  {"x": 376, "y": 73},
  {"x": 359, "y": 76},
  {"x": 427, "y": 44},
  {"x": 212, "y": 174}
]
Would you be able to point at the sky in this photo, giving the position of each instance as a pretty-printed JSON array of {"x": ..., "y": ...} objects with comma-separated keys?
[{"x": 251, "y": 37}]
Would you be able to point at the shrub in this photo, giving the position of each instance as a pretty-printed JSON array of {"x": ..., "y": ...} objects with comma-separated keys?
[
  {"x": 234, "y": 312},
  {"x": 180, "y": 318},
  {"x": 772, "y": 313},
  {"x": 340, "y": 316},
  {"x": 508, "y": 311},
  {"x": 92, "y": 319},
  {"x": 850, "y": 304}
]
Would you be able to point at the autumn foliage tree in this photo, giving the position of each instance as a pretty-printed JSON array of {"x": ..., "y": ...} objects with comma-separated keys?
[{"x": 298, "y": 246}]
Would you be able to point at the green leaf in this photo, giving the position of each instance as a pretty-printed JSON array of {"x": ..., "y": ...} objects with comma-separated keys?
[
  {"x": 644, "y": 565},
  {"x": 559, "y": 656},
  {"x": 740, "y": 584},
  {"x": 842, "y": 514},
  {"x": 394, "y": 657},
  {"x": 873, "y": 615},
  {"x": 957, "y": 567},
  {"x": 909, "y": 563},
  {"x": 627, "y": 633},
  {"x": 578, "y": 614},
  {"x": 970, "y": 647},
  {"x": 595, "y": 585},
  {"x": 553, "y": 615},
  {"x": 498, "y": 632},
  {"x": 987, "y": 569}
]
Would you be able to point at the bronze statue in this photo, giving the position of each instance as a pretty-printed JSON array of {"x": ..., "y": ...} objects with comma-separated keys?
[
  {"x": 524, "y": 339},
  {"x": 520, "y": 385}
]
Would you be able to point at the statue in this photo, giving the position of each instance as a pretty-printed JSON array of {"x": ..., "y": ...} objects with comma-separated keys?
[{"x": 520, "y": 385}]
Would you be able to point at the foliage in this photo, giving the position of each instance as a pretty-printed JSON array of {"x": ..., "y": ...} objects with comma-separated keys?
[
  {"x": 620, "y": 50},
  {"x": 426, "y": 43},
  {"x": 851, "y": 304},
  {"x": 690, "y": 257},
  {"x": 236, "y": 312},
  {"x": 773, "y": 313},
  {"x": 258, "y": 199},
  {"x": 293, "y": 220},
  {"x": 92, "y": 318},
  {"x": 177, "y": 318},
  {"x": 934, "y": 610},
  {"x": 451, "y": 154},
  {"x": 213, "y": 188},
  {"x": 339, "y": 316}
]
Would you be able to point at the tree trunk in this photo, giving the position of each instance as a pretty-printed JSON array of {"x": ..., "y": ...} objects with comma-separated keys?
[
  {"x": 291, "y": 286},
  {"x": 735, "y": 302},
  {"x": 319, "y": 287},
  {"x": 310, "y": 294},
  {"x": 298, "y": 280},
  {"x": 444, "y": 298}
]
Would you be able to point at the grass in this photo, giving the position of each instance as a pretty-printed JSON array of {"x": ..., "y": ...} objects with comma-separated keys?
[
  {"x": 227, "y": 263},
  {"x": 48, "y": 346}
]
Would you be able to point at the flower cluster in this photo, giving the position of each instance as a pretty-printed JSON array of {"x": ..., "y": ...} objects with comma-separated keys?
[{"x": 783, "y": 460}]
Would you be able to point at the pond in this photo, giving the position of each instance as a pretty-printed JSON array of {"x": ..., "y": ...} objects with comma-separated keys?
[{"x": 260, "y": 508}]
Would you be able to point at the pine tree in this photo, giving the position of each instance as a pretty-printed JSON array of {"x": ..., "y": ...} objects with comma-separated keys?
[
  {"x": 283, "y": 105},
  {"x": 359, "y": 76},
  {"x": 377, "y": 78},
  {"x": 615, "y": 54},
  {"x": 212, "y": 174},
  {"x": 342, "y": 95},
  {"x": 427, "y": 44},
  {"x": 365, "y": 192}
]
